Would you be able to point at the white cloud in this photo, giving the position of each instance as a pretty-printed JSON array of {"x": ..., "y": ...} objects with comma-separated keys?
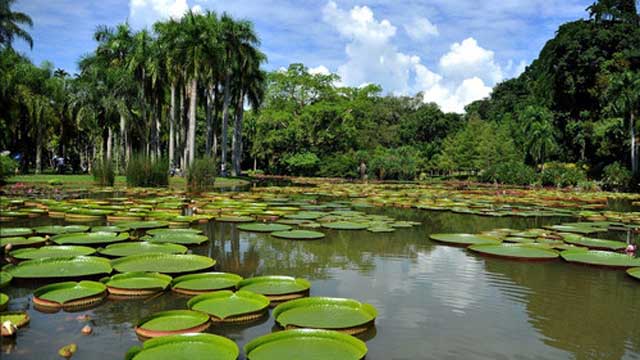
[
  {"x": 468, "y": 58},
  {"x": 421, "y": 28},
  {"x": 143, "y": 13},
  {"x": 323, "y": 70}
]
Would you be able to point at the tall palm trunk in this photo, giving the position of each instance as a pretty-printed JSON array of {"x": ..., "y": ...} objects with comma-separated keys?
[
  {"x": 109, "y": 144},
  {"x": 123, "y": 142},
  {"x": 209, "y": 106},
  {"x": 38, "y": 149},
  {"x": 632, "y": 128},
  {"x": 225, "y": 124},
  {"x": 237, "y": 137},
  {"x": 172, "y": 120},
  {"x": 216, "y": 107},
  {"x": 191, "y": 137}
]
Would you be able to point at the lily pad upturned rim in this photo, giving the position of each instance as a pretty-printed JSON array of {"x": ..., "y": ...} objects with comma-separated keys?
[
  {"x": 256, "y": 313},
  {"x": 298, "y": 235},
  {"x": 95, "y": 292},
  {"x": 163, "y": 345},
  {"x": 120, "y": 264},
  {"x": 303, "y": 284},
  {"x": 515, "y": 251},
  {"x": 634, "y": 272},
  {"x": 359, "y": 348},
  {"x": 5, "y": 278},
  {"x": 202, "y": 323},
  {"x": 175, "y": 284},
  {"x": 25, "y": 318},
  {"x": 21, "y": 271},
  {"x": 598, "y": 258},
  {"x": 462, "y": 239},
  {"x": 367, "y": 310},
  {"x": 30, "y": 253},
  {"x": 116, "y": 286},
  {"x": 263, "y": 227},
  {"x": 114, "y": 249}
]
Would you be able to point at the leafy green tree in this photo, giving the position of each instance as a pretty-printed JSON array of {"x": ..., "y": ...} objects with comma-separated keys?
[
  {"x": 624, "y": 93},
  {"x": 10, "y": 25},
  {"x": 541, "y": 133}
]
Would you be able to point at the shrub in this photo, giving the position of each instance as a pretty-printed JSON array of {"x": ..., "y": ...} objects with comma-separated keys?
[
  {"x": 340, "y": 165},
  {"x": 561, "y": 175},
  {"x": 510, "y": 173},
  {"x": 144, "y": 171},
  {"x": 201, "y": 175},
  {"x": 303, "y": 164},
  {"x": 616, "y": 177},
  {"x": 401, "y": 163},
  {"x": 7, "y": 167},
  {"x": 255, "y": 172},
  {"x": 103, "y": 173}
]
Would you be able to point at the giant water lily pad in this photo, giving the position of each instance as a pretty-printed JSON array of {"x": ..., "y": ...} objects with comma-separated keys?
[
  {"x": 298, "y": 235},
  {"x": 227, "y": 306},
  {"x": 172, "y": 322},
  {"x": 59, "y": 229},
  {"x": 634, "y": 272},
  {"x": 143, "y": 247},
  {"x": 163, "y": 263},
  {"x": 4, "y": 301},
  {"x": 516, "y": 251},
  {"x": 60, "y": 267},
  {"x": 184, "y": 238},
  {"x": 12, "y": 232},
  {"x": 194, "y": 284},
  {"x": 600, "y": 258},
  {"x": 185, "y": 347},
  {"x": 90, "y": 238},
  {"x": 5, "y": 278},
  {"x": 17, "y": 318},
  {"x": 144, "y": 225},
  {"x": 346, "y": 315},
  {"x": 235, "y": 219},
  {"x": 465, "y": 239},
  {"x": 137, "y": 283},
  {"x": 344, "y": 225},
  {"x": 591, "y": 243},
  {"x": 578, "y": 228},
  {"x": 264, "y": 227},
  {"x": 314, "y": 344},
  {"x": 162, "y": 231},
  {"x": 52, "y": 252},
  {"x": 110, "y": 228},
  {"x": 70, "y": 294},
  {"x": 22, "y": 241},
  {"x": 276, "y": 288}
]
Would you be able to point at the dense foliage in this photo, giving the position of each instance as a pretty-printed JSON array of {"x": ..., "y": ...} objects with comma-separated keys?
[
  {"x": 201, "y": 175},
  {"x": 103, "y": 172},
  {"x": 144, "y": 171}
]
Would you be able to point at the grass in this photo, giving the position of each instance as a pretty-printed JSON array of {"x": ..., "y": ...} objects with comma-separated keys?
[{"x": 121, "y": 181}]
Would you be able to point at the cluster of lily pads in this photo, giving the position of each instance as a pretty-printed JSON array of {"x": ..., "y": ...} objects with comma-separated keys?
[{"x": 572, "y": 242}]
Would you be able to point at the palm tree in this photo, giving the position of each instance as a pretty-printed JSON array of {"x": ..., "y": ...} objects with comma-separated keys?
[
  {"x": 10, "y": 22},
  {"x": 624, "y": 95},
  {"x": 540, "y": 133}
]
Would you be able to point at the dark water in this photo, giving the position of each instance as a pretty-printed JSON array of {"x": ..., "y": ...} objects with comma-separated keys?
[{"x": 434, "y": 301}]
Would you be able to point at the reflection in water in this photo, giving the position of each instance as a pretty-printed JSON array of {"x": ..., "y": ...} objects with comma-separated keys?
[{"x": 434, "y": 301}]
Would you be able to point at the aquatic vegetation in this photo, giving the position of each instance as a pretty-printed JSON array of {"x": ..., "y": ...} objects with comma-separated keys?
[
  {"x": 465, "y": 239},
  {"x": 51, "y": 252},
  {"x": 137, "y": 283},
  {"x": 191, "y": 346},
  {"x": 162, "y": 263},
  {"x": 195, "y": 284},
  {"x": 276, "y": 288},
  {"x": 298, "y": 235},
  {"x": 69, "y": 294},
  {"x": 516, "y": 251},
  {"x": 172, "y": 322},
  {"x": 91, "y": 238},
  {"x": 141, "y": 247},
  {"x": 600, "y": 258},
  {"x": 229, "y": 306},
  {"x": 68, "y": 267}
]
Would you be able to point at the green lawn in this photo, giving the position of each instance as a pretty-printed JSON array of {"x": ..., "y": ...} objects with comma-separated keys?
[{"x": 87, "y": 180}]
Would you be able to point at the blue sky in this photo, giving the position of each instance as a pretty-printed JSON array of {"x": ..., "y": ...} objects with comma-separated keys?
[{"x": 453, "y": 52}]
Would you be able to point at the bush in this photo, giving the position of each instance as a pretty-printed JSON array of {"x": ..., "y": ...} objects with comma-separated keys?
[
  {"x": 7, "y": 167},
  {"x": 510, "y": 173},
  {"x": 303, "y": 164},
  {"x": 616, "y": 177},
  {"x": 401, "y": 163},
  {"x": 103, "y": 173},
  {"x": 255, "y": 172},
  {"x": 561, "y": 175},
  {"x": 144, "y": 171},
  {"x": 340, "y": 165},
  {"x": 201, "y": 175}
]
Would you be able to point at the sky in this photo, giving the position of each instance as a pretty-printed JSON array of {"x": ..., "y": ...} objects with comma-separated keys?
[{"x": 453, "y": 52}]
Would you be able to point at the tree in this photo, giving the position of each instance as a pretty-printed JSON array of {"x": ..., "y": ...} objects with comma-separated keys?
[
  {"x": 614, "y": 10},
  {"x": 10, "y": 22},
  {"x": 540, "y": 132},
  {"x": 624, "y": 94}
]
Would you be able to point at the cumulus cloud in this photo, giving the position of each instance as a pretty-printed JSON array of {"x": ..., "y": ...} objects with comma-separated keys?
[
  {"x": 323, "y": 70},
  {"x": 421, "y": 28},
  {"x": 464, "y": 74},
  {"x": 143, "y": 13}
]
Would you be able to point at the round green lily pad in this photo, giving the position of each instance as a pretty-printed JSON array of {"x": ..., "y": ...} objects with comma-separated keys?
[
  {"x": 60, "y": 267},
  {"x": 142, "y": 247},
  {"x": 59, "y": 229},
  {"x": 144, "y": 225},
  {"x": 235, "y": 219},
  {"x": 595, "y": 244},
  {"x": 264, "y": 227},
  {"x": 346, "y": 315},
  {"x": 298, "y": 235},
  {"x": 634, "y": 272},
  {"x": 516, "y": 251},
  {"x": 12, "y": 232},
  {"x": 314, "y": 344},
  {"x": 5, "y": 278},
  {"x": 90, "y": 238},
  {"x": 464, "y": 239},
  {"x": 22, "y": 241},
  {"x": 600, "y": 258},
  {"x": 4, "y": 301},
  {"x": 155, "y": 232},
  {"x": 185, "y": 346},
  {"x": 276, "y": 288},
  {"x": 344, "y": 225},
  {"x": 110, "y": 228},
  {"x": 172, "y": 322},
  {"x": 227, "y": 306},
  {"x": 17, "y": 318},
  {"x": 69, "y": 294},
  {"x": 194, "y": 284},
  {"x": 582, "y": 228},
  {"x": 163, "y": 263},
  {"x": 52, "y": 252},
  {"x": 381, "y": 229},
  {"x": 178, "y": 238},
  {"x": 137, "y": 283}
]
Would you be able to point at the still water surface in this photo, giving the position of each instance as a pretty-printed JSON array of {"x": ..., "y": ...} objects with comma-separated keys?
[{"x": 434, "y": 301}]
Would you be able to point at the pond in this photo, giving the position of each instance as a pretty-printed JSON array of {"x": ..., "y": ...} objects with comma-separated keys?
[{"x": 434, "y": 301}]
